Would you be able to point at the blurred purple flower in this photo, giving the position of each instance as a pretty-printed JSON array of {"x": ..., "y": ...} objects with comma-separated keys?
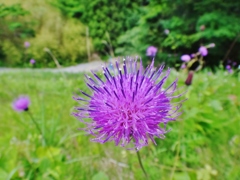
[
  {"x": 193, "y": 55},
  {"x": 202, "y": 27},
  {"x": 151, "y": 51},
  {"x": 21, "y": 103},
  {"x": 185, "y": 58},
  {"x": 26, "y": 44},
  {"x": 166, "y": 31},
  {"x": 211, "y": 45},
  {"x": 183, "y": 66},
  {"x": 234, "y": 63},
  {"x": 230, "y": 71},
  {"x": 128, "y": 107},
  {"x": 228, "y": 67},
  {"x": 32, "y": 61},
  {"x": 203, "y": 51}
]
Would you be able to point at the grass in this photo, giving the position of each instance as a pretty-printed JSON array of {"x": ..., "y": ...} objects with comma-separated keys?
[{"x": 203, "y": 144}]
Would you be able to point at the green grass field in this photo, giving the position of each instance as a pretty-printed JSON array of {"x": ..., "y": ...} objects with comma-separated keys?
[{"x": 204, "y": 144}]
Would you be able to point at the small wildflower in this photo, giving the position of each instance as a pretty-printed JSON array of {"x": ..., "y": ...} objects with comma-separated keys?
[
  {"x": 151, "y": 51},
  {"x": 128, "y": 106},
  {"x": 26, "y": 44},
  {"x": 166, "y": 31},
  {"x": 203, "y": 51},
  {"x": 193, "y": 55},
  {"x": 32, "y": 61},
  {"x": 185, "y": 58},
  {"x": 228, "y": 67},
  {"x": 183, "y": 66},
  {"x": 21, "y": 103},
  {"x": 202, "y": 27},
  {"x": 211, "y": 45}
]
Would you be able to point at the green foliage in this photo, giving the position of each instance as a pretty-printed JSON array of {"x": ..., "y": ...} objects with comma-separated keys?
[
  {"x": 42, "y": 25},
  {"x": 104, "y": 16},
  {"x": 202, "y": 144},
  {"x": 14, "y": 10},
  {"x": 183, "y": 19}
]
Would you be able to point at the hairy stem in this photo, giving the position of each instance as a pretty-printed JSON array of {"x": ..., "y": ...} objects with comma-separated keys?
[
  {"x": 141, "y": 165},
  {"x": 37, "y": 126}
]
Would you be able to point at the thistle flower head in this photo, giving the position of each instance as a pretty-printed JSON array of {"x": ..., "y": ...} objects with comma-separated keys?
[
  {"x": 32, "y": 61},
  {"x": 166, "y": 31},
  {"x": 185, "y": 58},
  {"x": 151, "y": 51},
  {"x": 21, "y": 103},
  {"x": 203, "y": 51},
  {"x": 129, "y": 105},
  {"x": 26, "y": 44}
]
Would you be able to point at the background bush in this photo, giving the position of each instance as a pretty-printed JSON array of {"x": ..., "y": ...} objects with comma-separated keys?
[
  {"x": 41, "y": 24},
  {"x": 116, "y": 28}
]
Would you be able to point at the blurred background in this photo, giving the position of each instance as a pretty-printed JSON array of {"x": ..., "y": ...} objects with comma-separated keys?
[
  {"x": 186, "y": 35},
  {"x": 76, "y": 31}
]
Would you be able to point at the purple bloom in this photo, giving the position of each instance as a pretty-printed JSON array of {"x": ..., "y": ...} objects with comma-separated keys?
[
  {"x": 151, "y": 51},
  {"x": 128, "y": 106},
  {"x": 185, "y": 58},
  {"x": 32, "y": 61},
  {"x": 166, "y": 31},
  {"x": 202, "y": 27},
  {"x": 228, "y": 67},
  {"x": 211, "y": 45},
  {"x": 193, "y": 55},
  {"x": 203, "y": 51},
  {"x": 26, "y": 44},
  {"x": 183, "y": 66},
  {"x": 21, "y": 103}
]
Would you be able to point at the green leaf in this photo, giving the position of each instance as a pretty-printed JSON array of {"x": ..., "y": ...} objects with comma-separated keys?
[
  {"x": 3, "y": 174},
  {"x": 181, "y": 176},
  {"x": 100, "y": 176}
]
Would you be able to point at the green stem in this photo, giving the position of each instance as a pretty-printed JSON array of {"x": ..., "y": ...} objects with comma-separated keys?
[
  {"x": 37, "y": 126},
  {"x": 141, "y": 165},
  {"x": 39, "y": 129}
]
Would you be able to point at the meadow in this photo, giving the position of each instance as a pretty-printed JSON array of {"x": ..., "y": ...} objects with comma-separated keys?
[{"x": 203, "y": 144}]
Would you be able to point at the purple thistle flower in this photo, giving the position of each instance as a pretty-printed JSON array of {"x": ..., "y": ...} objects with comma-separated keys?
[
  {"x": 202, "y": 27},
  {"x": 166, "y": 31},
  {"x": 211, "y": 45},
  {"x": 228, "y": 67},
  {"x": 21, "y": 103},
  {"x": 129, "y": 105},
  {"x": 151, "y": 51},
  {"x": 185, "y": 58},
  {"x": 203, "y": 51},
  {"x": 26, "y": 44},
  {"x": 32, "y": 61},
  {"x": 183, "y": 66}
]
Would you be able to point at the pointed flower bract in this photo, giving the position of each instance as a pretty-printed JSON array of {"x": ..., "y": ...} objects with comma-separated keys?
[{"x": 128, "y": 105}]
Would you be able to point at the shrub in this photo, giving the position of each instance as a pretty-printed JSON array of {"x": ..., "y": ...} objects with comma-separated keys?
[{"x": 44, "y": 27}]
